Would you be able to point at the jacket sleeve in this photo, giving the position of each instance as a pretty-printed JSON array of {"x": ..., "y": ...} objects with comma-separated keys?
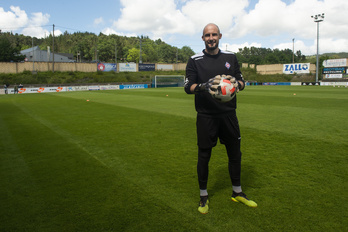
[
  {"x": 191, "y": 76},
  {"x": 238, "y": 74}
]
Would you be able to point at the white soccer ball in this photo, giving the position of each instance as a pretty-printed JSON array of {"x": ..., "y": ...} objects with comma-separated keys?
[{"x": 224, "y": 92}]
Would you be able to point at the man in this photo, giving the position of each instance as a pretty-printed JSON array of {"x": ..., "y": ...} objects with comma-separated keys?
[
  {"x": 15, "y": 89},
  {"x": 215, "y": 119}
]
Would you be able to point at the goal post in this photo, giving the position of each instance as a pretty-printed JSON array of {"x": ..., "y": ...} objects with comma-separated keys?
[{"x": 160, "y": 81}]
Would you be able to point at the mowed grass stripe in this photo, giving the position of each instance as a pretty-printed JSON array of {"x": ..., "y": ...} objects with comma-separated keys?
[
  {"x": 17, "y": 182},
  {"x": 55, "y": 128},
  {"x": 166, "y": 100},
  {"x": 298, "y": 121},
  {"x": 308, "y": 117},
  {"x": 308, "y": 92}
]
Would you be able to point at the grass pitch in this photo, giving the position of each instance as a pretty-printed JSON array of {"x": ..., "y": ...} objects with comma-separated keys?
[{"x": 126, "y": 161}]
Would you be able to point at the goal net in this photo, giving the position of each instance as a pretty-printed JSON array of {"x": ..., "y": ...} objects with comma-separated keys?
[{"x": 160, "y": 81}]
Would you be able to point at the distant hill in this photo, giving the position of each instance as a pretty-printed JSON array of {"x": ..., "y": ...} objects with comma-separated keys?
[{"x": 338, "y": 55}]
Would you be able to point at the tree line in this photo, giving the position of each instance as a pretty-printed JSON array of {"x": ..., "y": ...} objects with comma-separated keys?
[
  {"x": 87, "y": 47},
  {"x": 259, "y": 56}
]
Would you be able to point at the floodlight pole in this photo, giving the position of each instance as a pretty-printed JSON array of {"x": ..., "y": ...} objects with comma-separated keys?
[
  {"x": 53, "y": 49},
  {"x": 317, "y": 19}
]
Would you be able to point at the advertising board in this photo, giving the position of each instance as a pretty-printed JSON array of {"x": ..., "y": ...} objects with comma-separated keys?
[
  {"x": 334, "y": 70},
  {"x": 164, "y": 67},
  {"x": 107, "y": 67},
  {"x": 335, "y": 62},
  {"x": 296, "y": 68},
  {"x": 147, "y": 67},
  {"x": 127, "y": 67}
]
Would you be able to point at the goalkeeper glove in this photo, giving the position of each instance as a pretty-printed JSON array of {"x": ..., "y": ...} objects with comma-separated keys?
[
  {"x": 204, "y": 87},
  {"x": 214, "y": 86},
  {"x": 237, "y": 85}
]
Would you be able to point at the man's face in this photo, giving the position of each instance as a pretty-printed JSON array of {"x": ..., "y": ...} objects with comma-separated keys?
[{"x": 211, "y": 37}]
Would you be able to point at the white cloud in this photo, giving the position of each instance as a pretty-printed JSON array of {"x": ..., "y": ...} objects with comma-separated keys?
[
  {"x": 98, "y": 21},
  {"x": 39, "y": 19},
  {"x": 17, "y": 19},
  {"x": 298, "y": 45},
  {"x": 13, "y": 19},
  {"x": 235, "y": 47},
  {"x": 110, "y": 31},
  {"x": 224, "y": 13},
  {"x": 34, "y": 25},
  {"x": 333, "y": 45},
  {"x": 143, "y": 18},
  {"x": 273, "y": 19}
]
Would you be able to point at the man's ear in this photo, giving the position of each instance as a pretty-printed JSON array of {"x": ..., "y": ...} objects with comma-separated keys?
[{"x": 220, "y": 36}]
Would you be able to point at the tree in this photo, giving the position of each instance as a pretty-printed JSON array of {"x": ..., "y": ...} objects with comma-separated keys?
[
  {"x": 133, "y": 55},
  {"x": 8, "y": 53},
  {"x": 167, "y": 53},
  {"x": 299, "y": 57},
  {"x": 184, "y": 54}
]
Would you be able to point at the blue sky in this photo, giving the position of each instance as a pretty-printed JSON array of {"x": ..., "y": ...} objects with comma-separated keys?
[{"x": 260, "y": 23}]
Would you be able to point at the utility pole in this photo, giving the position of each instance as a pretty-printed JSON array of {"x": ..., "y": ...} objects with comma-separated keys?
[
  {"x": 32, "y": 45},
  {"x": 140, "y": 58},
  {"x": 176, "y": 62},
  {"x": 176, "y": 55},
  {"x": 293, "y": 50},
  {"x": 53, "y": 50},
  {"x": 96, "y": 50},
  {"x": 116, "y": 56}
]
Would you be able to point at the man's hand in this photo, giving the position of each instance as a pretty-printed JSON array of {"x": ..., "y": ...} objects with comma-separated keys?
[
  {"x": 234, "y": 81},
  {"x": 204, "y": 87}
]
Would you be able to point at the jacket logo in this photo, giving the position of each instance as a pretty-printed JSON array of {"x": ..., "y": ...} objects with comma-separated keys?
[{"x": 227, "y": 65}]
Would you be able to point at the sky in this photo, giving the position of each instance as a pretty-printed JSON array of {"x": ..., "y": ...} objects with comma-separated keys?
[{"x": 281, "y": 24}]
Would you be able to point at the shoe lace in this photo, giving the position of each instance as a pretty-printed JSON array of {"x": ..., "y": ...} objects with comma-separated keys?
[
  {"x": 241, "y": 194},
  {"x": 203, "y": 201}
]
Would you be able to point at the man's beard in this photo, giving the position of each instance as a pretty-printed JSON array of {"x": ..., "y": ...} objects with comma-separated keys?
[{"x": 211, "y": 48}]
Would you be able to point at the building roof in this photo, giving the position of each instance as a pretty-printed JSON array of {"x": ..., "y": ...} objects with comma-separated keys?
[
  {"x": 30, "y": 49},
  {"x": 37, "y": 50}
]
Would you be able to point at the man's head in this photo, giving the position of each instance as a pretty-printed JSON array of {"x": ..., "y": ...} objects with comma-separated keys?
[{"x": 211, "y": 37}]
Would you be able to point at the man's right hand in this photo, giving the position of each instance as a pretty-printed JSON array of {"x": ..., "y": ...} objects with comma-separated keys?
[{"x": 204, "y": 87}]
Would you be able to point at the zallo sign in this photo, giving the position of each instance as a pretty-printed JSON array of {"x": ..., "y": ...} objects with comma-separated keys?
[{"x": 296, "y": 68}]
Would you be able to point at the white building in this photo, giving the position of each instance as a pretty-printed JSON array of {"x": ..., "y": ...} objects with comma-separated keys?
[{"x": 37, "y": 55}]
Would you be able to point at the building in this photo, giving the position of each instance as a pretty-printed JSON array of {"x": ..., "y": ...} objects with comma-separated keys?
[{"x": 37, "y": 55}]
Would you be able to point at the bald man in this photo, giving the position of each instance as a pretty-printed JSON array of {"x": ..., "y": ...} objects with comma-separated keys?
[{"x": 215, "y": 119}]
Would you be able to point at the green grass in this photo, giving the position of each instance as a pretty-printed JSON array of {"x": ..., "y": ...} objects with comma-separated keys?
[{"x": 126, "y": 161}]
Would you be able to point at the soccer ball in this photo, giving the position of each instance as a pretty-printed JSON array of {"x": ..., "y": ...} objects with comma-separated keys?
[{"x": 224, "y": 91}]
